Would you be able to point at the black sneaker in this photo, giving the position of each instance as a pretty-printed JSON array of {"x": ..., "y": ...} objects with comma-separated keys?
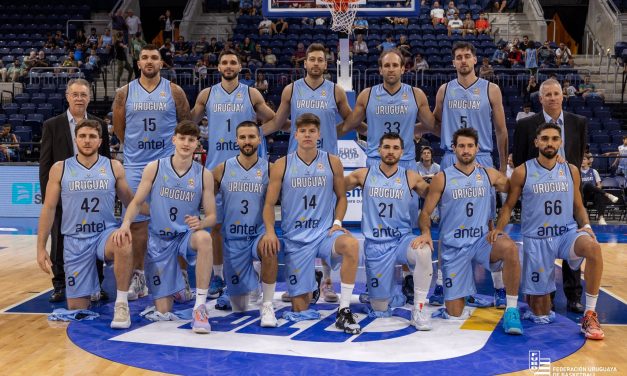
[
  {"x": 316, "y": 294},
  {"x": 58, "y": 295},
  {"x": 408, "y": 288},
  {"x": 346, "y": 321}
]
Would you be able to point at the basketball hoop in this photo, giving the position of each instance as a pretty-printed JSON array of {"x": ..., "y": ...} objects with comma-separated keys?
[{"x": 343, "y": 13}]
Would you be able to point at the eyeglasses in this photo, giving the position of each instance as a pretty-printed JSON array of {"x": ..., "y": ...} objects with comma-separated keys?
[{"x": 78, "y": 95}]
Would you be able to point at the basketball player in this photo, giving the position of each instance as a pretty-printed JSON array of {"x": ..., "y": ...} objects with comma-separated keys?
[
  {"x": 469, "y": 101},
  {"x": 426, "y": 166},
  {"x": 226, "y": 105},
  {"x": 554, "y": 225},
  {"x": 313, "y": 204},
  {"x": 243, "y": 180},
  {"x": 87, "y": 184},
  {"x": 145, "y": 113},
  {"x": 176, "y": 187},
  {"x": 463, "y": 193},
  {"x": 387, "y": 193}
]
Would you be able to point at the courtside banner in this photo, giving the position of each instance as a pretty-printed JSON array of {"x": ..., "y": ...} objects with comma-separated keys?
[{"x": 19, "y": 187}]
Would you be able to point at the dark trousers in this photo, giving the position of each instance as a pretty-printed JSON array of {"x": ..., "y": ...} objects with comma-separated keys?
[
  {"x": 596, "y": 194},
  {"x": 56, "y": 254},
  {"x": 572, "y": 283}
]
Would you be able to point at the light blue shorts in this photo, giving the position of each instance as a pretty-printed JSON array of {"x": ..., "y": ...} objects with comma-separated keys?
[
  {"x": 163, "y": 272},
  {"x": 381, "y": 259},
  {"x": 538, "y": 271},
  {"x": 133, "y": 177},
  {"x": 239, "y": 274},
  {"x": 79, "y": 256},
  {"x": 300, "y": 261},
  {"x": 457, "y": 267}
]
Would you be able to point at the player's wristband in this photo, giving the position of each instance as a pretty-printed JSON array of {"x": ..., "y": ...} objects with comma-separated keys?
[
  {"x": 337, "y": 222},
  {"x": 587, "y": 226}
]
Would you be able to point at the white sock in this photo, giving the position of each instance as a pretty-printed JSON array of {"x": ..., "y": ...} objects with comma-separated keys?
[
  {"x": 512, "y": 301},
  {"x": 439, "y": 282},
  {"x": 591, "y": 302},
  {"x": 326, "y": 272},
  {"x": 346, "y": 294},
  {"x": 138, "y": 271},
  {"x": 423, "y": 272},
  {"x": 268, "y": 291},
  {"x": 121, "y": 297},
  {"x": 201, "y": 297},
  {"x": 497, "y": 279},
  {"x": 217, "y": 271}
]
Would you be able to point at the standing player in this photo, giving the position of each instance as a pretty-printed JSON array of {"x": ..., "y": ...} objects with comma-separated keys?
[
  {"x": 226, "y": 105},
  {"x": 469, "y": 101},
  {"x": 145, "y": 113},
  {"x": 465, "y": 187},
  {"x": 242, "y": 181},
  {"x": 313, "y": 203},
  {"x": 387, "y": 193},
  {"x": 554, "y": 225},
  {"x": 176, "y": 187},
  {"x": 87, "y": 185}
]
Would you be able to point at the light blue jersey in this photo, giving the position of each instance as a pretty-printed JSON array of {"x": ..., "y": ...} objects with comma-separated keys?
[
  {"x": 387, "y": 113},
  {"x": 547, "y": 201},
  {"x": 173, "y": 197},
  {"x": 225, "y": 111},
  {"x": 308, "y": 199},
  {"x": 385, "y": 202},
  {"x": 243, "y": 195},
  {"x": 465, "y": 207},
  {"x": 320, "y": 102},
  {"x": 87, "y": 198},
  {"x": 467, "y": 108},
  {"x": 424, "y": 171},
  {"x": 150, "y": 123}
]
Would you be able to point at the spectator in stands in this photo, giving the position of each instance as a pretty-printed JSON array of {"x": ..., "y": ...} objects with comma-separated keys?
[
  {"x": 91, "y": 62},
  {"x": 133, "y": 23},
  {"x": 437, "y": 14},
  {"x": 329, "y": 56},
  {"x": 265, "y": 26},
  {"x": 248, "y": 79},
  {"x": 261, "y": 83},
  {"x": 420, "y": 63},
  {"x": 69, "y": 61},
  {"x": 167, "y": 57},
  {"x": 201, "y": 47},
  {"x": 530, "y": 91},
  {"x": 3, "y": 72},
  {"x": 204, "y": 129},
  {"x": 451, "y": 10},
  {"x": 563, "y": 56},
  {"x": 247, "y": 47},
  {"x": 485, "y": 70},
  {"x": 526, "y": 112},
  {"x": 166, "y": 28},
  {"x": 455, "y": 25},
  {"x": 500, "y": 56},
  {"x": 79, "y": 54},
  {"x": 568, "y": 90},
  {"x": 114, "y": 141},
  {"x": 80, "y": 37},
  {"x": 360, "y": 26},
  {"x": 426, "y": 167},
  {"x": 92, "y": 38},
  {"x": 38, "y": 61},
  {"x": 499, "y": 6},
  {"x": 201, "y": 69},
  {"x": 360, "y": 47},
  {"x": 106, "y": 40},
  {"x": 587, "y": 89},
  {"x": 620, "y": 163},
  {"x": 320, "y": 21},
  {"x": 9, "y": 145},
  {"x": 592, "y": 188},
  {"x": 515, "y": 57},
  {"x": 255, "y": 60},
  {"x": 280, "y": 27},
  {"x": 387, "y": 44},
  {"x": 50, "y": 42},
  {"x": 14, "y": 71},
  {"x": 60, "y": 39},
  {"x": 419, "y": 144},
  {"x": 214, "y": 50},
  {"x": 306, "y": 21},
  {"x": 299, "y": 55},
  {"x": 270, "y": 59},
  {"x": 120, "y": 51},
  {"x": 404, "y": 47},
  {"x": 482, "y": 26},
  {"x": 468, "y": 25},
  {"x": 526, "y": 43},
  {"x": 137, "y": 43},
  {"x": 181, "y": 47},
  {"x": 246, "y": 7},
  {"x": 546, "y": 55},
  {"x": 118, "y": 24}
]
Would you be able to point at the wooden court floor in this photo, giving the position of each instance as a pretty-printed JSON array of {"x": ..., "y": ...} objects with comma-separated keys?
[{"x": 31, "y": 345}]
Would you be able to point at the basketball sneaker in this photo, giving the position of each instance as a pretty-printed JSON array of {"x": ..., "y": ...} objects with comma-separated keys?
[
  {"x": 590, "y": 326},
  {"x": 408, "y": 288},
  {"x": 200, "y": 320},
  {"x": 256, "y": 294},
  {"x": 223, "y": 303},
  {"x": 346, "y": 321},
  {"x": 437, "y": 299},
  {"x": 121, "y": 316},
  {"x": 285, "y": 297},
  {"x": 138, "y": 288},
  {"x": 186, "y": 294},
  {"x": 216, "y": 287},
  {"x": 511, "y": 321},
  {"x": 328, "y": 293},
  {"x": 316, "y": 293},
  {"x": 500, "y": 300},
  {"x": 420, "y": 319},
  {"x": 364, "y": 297},
  {"x": 268, "y": 318}
]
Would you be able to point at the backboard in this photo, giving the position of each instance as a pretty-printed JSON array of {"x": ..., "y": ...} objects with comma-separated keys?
[{"x": 317, "y": 8}]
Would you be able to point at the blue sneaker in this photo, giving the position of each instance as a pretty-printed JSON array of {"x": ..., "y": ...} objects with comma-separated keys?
[
  {"x": 476, "y": 301},
  {"x": 437, "y": 299},
  {"x": 216, "y": 287},
  {"x": 500, "y": 300},
  {"x": 223, "y": 303},
  {"x": 511, "y": 321}
]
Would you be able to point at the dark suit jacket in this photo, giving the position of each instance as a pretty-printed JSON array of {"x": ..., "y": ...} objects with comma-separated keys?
[
  {"x": 575, "y": 132},
  {"x": 56, "y": 144}
]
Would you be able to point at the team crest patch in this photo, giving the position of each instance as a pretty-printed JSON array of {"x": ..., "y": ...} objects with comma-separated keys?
[
  {"x": 191, "y": 183},
  {"x": 323, "y": 93},
  {"x": 162, "y": 94},
  {"x": 397, "y": 180},
  {"x": 259, "y": 174},
  {"x": 479, "y": 178},
  {"x": 561, "y": 173},
  {"x": 404, "y": 97},
  {"x": 239, "y": 96},
  {"x": 320, "y": 167},
  {"x": 102, "y": 171},
  {"x": 475, "y": 91}
]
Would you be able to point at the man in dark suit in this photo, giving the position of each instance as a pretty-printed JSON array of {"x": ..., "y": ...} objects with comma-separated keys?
[
  {"x": 574, "y": 136},
  {"x": 57, "y": 144}
]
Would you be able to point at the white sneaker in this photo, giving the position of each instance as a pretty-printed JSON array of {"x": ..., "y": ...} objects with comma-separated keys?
[
  {"x": 612, "y": 198},
  {"x": 121, "y": 316},
  {"x": 421, "y": 319},
  {"x": 268, "y": 318},
  {"x": 138, "y": 287},
  {"x": 256, "y": 294},
  {"x": 602, "y": 220}
]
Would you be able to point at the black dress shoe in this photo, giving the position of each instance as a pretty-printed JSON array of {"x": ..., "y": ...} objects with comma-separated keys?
[
  {"x": 58, "y": 295},
  {"x": 103, "y": 295},
  {"x": 574, "y": 306}
]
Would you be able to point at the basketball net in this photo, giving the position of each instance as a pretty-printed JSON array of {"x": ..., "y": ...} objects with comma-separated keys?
[{"x": 343, "y": 13}]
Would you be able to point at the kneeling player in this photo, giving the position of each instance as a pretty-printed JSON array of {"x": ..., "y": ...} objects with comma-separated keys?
[
  {"x": 243, "y": 181},
  {"x": 311, "y": 184},
  {"x": 554, "y": 225},
  {"x": 176, "y": 186},
  {"x": 87, "y": 185},
  {"x": 386, "y": 225}
]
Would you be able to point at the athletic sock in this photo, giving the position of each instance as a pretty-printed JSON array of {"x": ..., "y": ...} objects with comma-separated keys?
[
  {"x": 201, "y": 297},
  {"x": 591, "y": 302},
  {"x": 121, "y": 297},
  {"x": 345, "y": 294},
  {"x": 512, "y": 301},
  {"x": 497, "y": 279},
  {"x": 268, "y": 291},
  {"x": 438, "y": 281}
]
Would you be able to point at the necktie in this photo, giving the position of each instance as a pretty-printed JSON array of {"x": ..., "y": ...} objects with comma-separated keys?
[{"x": 561, "y": 151}]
